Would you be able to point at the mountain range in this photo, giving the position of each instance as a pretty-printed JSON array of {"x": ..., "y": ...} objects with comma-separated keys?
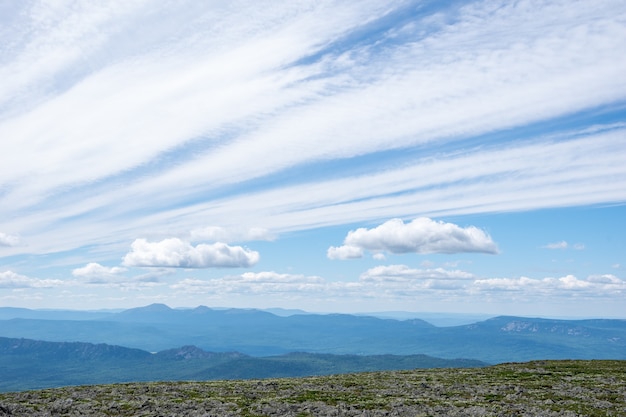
[
  {"x": 32, "y": 364},
  {"x": 257, "y": 333}
]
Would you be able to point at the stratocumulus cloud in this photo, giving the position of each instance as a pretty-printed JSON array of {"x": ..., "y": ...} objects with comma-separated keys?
[
  {"x": 401, "y": 283},
  {"x": 261, "y": 283},
  {"x": 595, "y": 284},
  {"x": 176, "y": 253},
  {"x": 13, "y": 280},
  {"x": 422, "y": 235},
  {"x": 403, "y": 273}
]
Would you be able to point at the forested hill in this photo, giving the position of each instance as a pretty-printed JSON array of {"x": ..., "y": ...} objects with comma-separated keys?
[
  {"x": 32, "y": 364},
  {"x": 259, "y": 333}
]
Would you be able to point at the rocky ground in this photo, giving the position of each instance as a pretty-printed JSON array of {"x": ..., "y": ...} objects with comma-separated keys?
[{"x": 544, "y": 388}]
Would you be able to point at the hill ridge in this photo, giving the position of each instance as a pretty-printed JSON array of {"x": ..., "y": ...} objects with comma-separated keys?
[
  {"x": 30, "y": 364},
  {"x": 260, "y": 333}
]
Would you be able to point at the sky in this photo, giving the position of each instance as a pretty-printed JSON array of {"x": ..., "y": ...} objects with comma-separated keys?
[{"x": 330, "y": 156}]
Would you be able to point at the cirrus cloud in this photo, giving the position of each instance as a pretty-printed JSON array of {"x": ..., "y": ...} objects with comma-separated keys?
[
  {"x": 227, "y": 235},
  {"x": 176, "y": 253},
  {"x": 422, "y": 235}
]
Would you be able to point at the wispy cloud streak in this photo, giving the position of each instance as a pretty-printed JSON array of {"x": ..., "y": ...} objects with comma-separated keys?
[{"x": 112, "y": 132}]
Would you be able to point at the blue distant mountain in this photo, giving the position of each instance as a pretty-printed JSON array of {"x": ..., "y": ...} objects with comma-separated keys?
[
  {"x": 158, "y": 327},
  {"x": 32, "y": 364}
]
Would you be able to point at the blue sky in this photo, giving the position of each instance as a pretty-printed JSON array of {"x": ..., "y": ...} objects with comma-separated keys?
[{"x": 330, "y": 156}]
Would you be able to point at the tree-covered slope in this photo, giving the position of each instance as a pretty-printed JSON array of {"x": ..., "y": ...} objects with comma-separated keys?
[{"x": 30, "y": 364}]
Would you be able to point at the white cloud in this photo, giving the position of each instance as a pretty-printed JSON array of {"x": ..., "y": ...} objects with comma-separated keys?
[
  {"x": 214, "y": 61},
  {"x": 274, "y": 277},
  {"x": 395, "y": 281},
  {"x": 9, "y": 240},
  {"x": 594, "y": 285},
  {"x": 175, "y": 253},
  {"x": 401, "y": 283},
  {"x": 379, "y": 256},
  {"x": 564, "y": 245},
  {"x": 12, "y": 280},
  {"x": 243, "y": 85},
  {"x": 226, "y": 235},
  {"x": 524, "y": 177},
  {"x": 344, "y": 252},
  {"x": 402, "y": 273},
  {"x": 161, "y": 84},
  {"x": 421, "y": 235},
  {"x": 96, "y": 271},
  {"x": 605, "y": 279},
  {"x": 557, "y": 245},
  {"x": 268, "y": 282}
]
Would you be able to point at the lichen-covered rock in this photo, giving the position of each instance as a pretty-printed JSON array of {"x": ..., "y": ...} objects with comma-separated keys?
[{"x": 537, "y": 389}]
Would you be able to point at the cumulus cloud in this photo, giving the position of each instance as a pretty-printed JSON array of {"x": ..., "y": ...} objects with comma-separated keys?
[
  {"x": 13, "y": 280},
  {"x": 227, "y": 235},
  {"x": 95, "y": 272},
  {"x": 403, "y": 273},
  {"x": 114, "y": 277},
  {"x": 344, "y": 252},
  {"x": 422, "y": 235},
  {"x": 176, "y": 253},
  {"x": 9, "y": 240}
]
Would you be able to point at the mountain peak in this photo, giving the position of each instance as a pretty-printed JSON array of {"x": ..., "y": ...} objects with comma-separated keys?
[
  {"x": 152, "y": 308},
  {"x": 157, "y": 307}
]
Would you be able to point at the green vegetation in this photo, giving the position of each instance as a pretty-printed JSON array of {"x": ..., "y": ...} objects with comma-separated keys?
[
  {"x": 30, "y": 364},
  {"x": 539, "y": 388}
]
